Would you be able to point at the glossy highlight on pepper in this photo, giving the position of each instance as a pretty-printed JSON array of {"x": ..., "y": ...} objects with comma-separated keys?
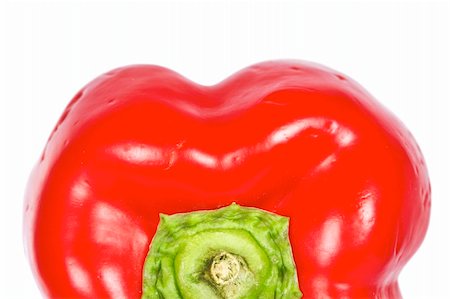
[{"x": 288, "y": 137}]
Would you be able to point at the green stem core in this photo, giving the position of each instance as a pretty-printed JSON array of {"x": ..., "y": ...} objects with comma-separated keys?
[
  {"x": 225, "y": 268},
  {"x": 230, "y": 253}
]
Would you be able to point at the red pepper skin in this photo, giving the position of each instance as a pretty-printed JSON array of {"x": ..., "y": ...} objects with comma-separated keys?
[{"x": 290, "y": 137}]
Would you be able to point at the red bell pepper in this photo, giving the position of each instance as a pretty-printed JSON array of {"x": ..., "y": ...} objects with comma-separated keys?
[{"x": 338, "y": 182}]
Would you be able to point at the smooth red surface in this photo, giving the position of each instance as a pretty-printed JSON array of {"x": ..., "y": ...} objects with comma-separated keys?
[{"x": 290, "y": 137}]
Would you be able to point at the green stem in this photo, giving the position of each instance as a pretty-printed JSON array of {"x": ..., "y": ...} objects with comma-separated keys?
[
  {"x": 225, "y": 268},
  {"x": 230, "y": 253}
]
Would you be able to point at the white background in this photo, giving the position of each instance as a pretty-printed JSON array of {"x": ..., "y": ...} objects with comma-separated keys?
[{"x": 398, "y": 50}]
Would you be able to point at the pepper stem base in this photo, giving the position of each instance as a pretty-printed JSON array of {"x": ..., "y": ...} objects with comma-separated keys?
[{"x": 225, "y": 268}]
